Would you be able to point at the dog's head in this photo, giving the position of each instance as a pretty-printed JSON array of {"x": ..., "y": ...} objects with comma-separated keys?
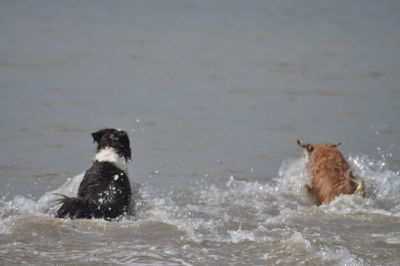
[
  {"x": 311, "y": 147},
  {"x": 113, "y": 138}
]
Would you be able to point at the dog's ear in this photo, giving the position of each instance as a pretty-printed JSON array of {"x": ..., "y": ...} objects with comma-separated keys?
[
  {"x": 300, "y": 144},
  {"x": 309, "y": 147},
  {"x": 124, "y": 144},
  {"x": 336, "y": 145},
  {"x": 97, "y": 135}
]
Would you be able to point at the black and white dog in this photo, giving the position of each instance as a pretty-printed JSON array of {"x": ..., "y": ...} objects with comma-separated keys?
[{"x": 105, "y": 191}]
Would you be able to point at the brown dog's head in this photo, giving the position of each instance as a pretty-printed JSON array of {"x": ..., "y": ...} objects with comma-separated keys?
[{"x": 311, "y": 147}]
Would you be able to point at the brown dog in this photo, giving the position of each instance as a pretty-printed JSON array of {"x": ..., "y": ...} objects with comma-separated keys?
[{"x": 331, "y": 175}]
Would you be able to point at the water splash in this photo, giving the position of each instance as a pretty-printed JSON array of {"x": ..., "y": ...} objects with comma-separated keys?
[
  {"x": 277, "y": 215},
  {"x": 383, "y": 184}
]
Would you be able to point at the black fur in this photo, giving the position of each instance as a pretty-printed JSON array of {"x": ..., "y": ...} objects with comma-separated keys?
[
  {"x": 112, "y": 138},
  {"x": 105, "y": 191}
]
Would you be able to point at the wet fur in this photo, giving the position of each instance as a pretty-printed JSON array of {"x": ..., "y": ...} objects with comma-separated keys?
[
  {"x": 331, "y": 174},
  {"x": 105, "y": 191}
]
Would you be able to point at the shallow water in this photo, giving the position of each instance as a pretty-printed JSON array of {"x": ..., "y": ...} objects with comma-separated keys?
[
  {"x": 239, "y": 221},
  {"x": 213, "y": 96}
]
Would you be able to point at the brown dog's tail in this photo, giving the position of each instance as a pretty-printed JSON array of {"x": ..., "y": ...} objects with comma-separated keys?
[{"x": 360, "y": 189}]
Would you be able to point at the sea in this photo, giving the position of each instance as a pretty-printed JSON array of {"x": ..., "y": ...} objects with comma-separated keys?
[{"x": 214, "y": 95}]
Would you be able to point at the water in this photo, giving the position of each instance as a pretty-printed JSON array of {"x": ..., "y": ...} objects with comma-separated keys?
[{"x": 213, "y": 96}]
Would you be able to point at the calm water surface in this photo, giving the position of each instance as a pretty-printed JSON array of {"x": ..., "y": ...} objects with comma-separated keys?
[{"x": 213, "y": 96}]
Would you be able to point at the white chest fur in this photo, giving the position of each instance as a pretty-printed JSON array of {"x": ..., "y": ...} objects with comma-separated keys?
[{"x": 109, "y": 155}]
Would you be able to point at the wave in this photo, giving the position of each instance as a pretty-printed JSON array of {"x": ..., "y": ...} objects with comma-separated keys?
[
  {"x": 277, "y": 214},
  {"x": 247, "y": 199}
]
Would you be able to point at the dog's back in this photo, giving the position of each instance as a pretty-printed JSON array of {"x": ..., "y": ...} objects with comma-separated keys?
[
  {"x": 331, "y": 174},
  {"x": 105, "y": 191}
]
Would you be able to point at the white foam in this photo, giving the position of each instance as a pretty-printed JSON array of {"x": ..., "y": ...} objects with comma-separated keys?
[
  {"x": 240, "y": 211},
  {"x": 48, "y": 202},
  {"x": 339, "y": 256},
  {"x": 241, "y": 235},
  {"x": 17, "y": 208},
  {"x": 214, "y": 210},
  {"x": 47, "y": 205},
  {"x": 395, "y": 240},
  {"x": 298, "y": 241},
  {"x": 382, "y": 184},
  {"x": 292, "y": 178}
]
